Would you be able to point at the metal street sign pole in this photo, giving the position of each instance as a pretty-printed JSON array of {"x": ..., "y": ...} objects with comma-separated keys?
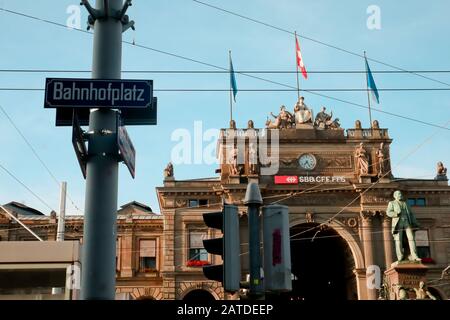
[
  {"x": 253, "y": 200},
  {"x": 99, "y": 239}
]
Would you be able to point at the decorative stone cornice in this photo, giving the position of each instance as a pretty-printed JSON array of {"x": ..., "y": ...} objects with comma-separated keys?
[{"x": 367, "y": 215}]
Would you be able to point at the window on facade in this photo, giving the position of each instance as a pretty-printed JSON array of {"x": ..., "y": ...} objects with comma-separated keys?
[
  {"x": 423, "y": 244},
  {"x": 420, "y": 202},
  {"x": 197, "y": 255},
  {"x": 147, "y": 255},
  {"x": 197, "y": 202},
  {"x": 193, "y": 203}
]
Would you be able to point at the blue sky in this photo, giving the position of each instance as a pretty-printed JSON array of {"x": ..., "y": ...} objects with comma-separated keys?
[{"x": 412, "y": 36}]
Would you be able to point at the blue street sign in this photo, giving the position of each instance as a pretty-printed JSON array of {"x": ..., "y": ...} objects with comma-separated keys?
[
  {"x": 79, "y": 145},
  {"x": 129, "y": 117},
  {"x": 96, "y": 93}
]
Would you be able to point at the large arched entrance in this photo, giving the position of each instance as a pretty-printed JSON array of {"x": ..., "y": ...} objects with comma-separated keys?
[
  {"x": 198, "y": 295},
  {"x": 322, "y": 264}
]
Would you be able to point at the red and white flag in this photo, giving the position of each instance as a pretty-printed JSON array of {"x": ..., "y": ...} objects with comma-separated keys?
[{"x": 300, "y": 63}]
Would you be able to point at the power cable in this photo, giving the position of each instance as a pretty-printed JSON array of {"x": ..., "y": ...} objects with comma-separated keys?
[
  {"x": 316, "y": 41},
  {"x": 292, "y": 89},
  {"x": 225, "y": 69},
  {"x": 33, "y": 150},
  {"x": 224, "y": 72},
  {"x": 26, "y": 187},
  {"x": 261, "y": 90}
]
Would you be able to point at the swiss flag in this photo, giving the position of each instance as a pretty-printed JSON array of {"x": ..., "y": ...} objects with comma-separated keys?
[{"x": 300, "y": 63}]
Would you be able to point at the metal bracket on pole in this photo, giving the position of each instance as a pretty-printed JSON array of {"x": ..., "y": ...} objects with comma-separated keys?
[
  {"x": 94, "y": 14},
  {"x": 120, "y": 15},
  {"x": 128, "y": 24},
  {"x": 124, "y": 9},
  {"x": 103, "y": 132}
]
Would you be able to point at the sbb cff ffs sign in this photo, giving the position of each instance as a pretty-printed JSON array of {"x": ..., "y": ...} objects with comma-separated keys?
[
  {"x": 95, "y": 93},
  {"x": 286, "y": 179}
]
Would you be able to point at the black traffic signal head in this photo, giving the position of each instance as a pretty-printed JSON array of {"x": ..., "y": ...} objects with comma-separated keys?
[{"x": 229, "y": 273}]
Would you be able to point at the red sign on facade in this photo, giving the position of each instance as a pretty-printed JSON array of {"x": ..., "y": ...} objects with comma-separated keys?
[{"x": 286, "y": 179}]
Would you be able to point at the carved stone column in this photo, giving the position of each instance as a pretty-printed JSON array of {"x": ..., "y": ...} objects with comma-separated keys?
[
  {"x": 366, "y": 217},
  {"x": 387, "y": 240}
]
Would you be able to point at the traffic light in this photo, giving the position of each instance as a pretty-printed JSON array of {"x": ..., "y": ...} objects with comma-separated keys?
[
  {"x": 277, "y": 249},
  {"x": 229, "y": 273}
]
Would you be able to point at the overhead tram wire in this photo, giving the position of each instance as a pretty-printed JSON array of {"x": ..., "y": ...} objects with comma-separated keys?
[
  {"x": 26, "y": 187},
  {"x": 224, "y": 72},
  {"x": 261, "y": 90},
  {"x": 77, "y": 223},
  {"x": 292, "y": 89},
  {"x": 316, "y": 41},
  {"x": 315, "y": 237},
  {"x": 226, "y": 69},
  {"x": 33, "y": 150}
]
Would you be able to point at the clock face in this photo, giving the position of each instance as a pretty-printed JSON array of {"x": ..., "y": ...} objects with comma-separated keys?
[{"x": 307, "y": 161}]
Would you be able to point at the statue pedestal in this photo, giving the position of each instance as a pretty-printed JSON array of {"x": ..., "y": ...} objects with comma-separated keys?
[
  {"x": 406, "y": 274},
  {"x": 234, "y": 179},
  {"x": 253, "y": 178},
  {"x": 384, "y": 180},
  {"x": 304, "y": 126},
  {"x": 169, "y": 181}
]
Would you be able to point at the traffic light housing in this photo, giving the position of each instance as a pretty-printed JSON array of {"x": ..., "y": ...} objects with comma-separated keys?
[
  {"x": 229, "y": 273},
  {"x": 277, "y": 249}
]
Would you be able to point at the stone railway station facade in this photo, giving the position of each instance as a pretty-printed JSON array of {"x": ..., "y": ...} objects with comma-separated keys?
[{"x": 337, "y": 184}]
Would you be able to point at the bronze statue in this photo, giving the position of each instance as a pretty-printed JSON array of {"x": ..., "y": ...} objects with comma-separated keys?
[
  {"x": 358, "y": 124},
  {"x": 233, "y": 124},
  {"x": 250, "y": 124},
  {"x": 362, "y": 161},
  {"x": 403, "y": 220}
]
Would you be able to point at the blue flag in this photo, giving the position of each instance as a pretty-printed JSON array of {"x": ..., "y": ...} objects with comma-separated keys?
[
  {"x": 233, "y": 80},
  {"x": 371, "y": 84}
]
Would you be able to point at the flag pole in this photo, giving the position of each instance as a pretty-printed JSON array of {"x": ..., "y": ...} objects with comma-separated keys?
[
  {"x": 368, "y": 93},
  {"x": 296, "y": 67},
  {"x": 231, "y": 88}
]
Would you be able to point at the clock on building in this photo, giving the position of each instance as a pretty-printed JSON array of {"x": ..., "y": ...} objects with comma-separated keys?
[{"x": 307, "y": 161}]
